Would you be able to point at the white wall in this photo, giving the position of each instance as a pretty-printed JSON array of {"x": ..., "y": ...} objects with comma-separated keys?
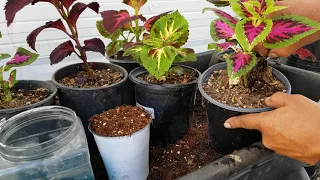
[{"x": 32, "y": 17}]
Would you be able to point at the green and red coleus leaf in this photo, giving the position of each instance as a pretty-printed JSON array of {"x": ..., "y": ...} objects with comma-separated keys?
[
  {"x": 240, "y": 63},
  {"x": 249, "y": 35},
  {"x": 185, "y": 54},
  {"x": 222, "y": 29},
  {"x": 12, "y": 78},
  {"x": 222, "y": 14},
  {"x": 304, "y": 54},
  {"x": 135, "y": 4},
  {"x": 149, "y": 23},
  {"x": 22, "y": 57},
  {"x": 287, "y": 30},
  {"x": 78, "y": 8},
  {"x": 220, "y": 3},
  {"x": 62, "y": 51},
  {"x": 134, "y": 52},
  {"x": 31, "y": 39},
  {"x": 12, "y": 7},
  {"x": 94, "y": 45},
  {"x": 115, "y": 20},
  {"x": 114, "y": 47},
  {"x": 221, "y": 46}
]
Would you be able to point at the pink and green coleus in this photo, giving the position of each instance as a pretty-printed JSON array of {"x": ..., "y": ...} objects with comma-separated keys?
[
  {"x": 69, "y": 10},
  {"x": 254, "y": 27},
  {"x": 118, "y": 26}
]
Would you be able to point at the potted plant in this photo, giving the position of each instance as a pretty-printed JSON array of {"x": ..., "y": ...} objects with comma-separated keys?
[
  {"x": 17, "y": 96},
  {"x": 242, "y": 83},
  {"x": 122, "y": 136},
  {"x": 123, "y": 30},
  {"x": 86, "y": 88},
  {"x": 165, "y": 90}
]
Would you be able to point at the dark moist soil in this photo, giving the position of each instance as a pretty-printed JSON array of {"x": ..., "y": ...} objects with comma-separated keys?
[
  {"x": 176, "y": 160},
  {"x": 121, "y": 121},
  {"x": 100, "y": 78},
  {"x": 22, "y": 97},
  {"x": 172, "y": 78},
  {"x": 261, "y": 83}
]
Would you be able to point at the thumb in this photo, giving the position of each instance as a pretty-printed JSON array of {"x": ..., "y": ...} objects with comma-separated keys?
[{"x": 249, "y": 121}]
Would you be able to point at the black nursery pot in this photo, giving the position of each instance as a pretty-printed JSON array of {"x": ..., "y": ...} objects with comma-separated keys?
[
  {"x": 225, "y": 140},
  {"x": 129, "y": 65},
  {"x": 171, "y": 106},
  {"x": 31, "y": 85},
  {"x": 306, "y": 64},
  {"x": 87, "y": 102}
]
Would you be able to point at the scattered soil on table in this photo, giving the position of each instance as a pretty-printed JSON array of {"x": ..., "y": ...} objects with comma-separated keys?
[
  {"x": 100, "y": 78},
  {"x": 172, "y": 78},
  {"x": 121, "y": 121},
  {"x": 189, "y": 154},
  {"x": 261, "y": 83},
  {"x": 22, "y": 97}
]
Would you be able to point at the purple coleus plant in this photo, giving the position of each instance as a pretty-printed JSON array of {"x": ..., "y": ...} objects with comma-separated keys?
[
  {"x": 69, "y": 10},
  {"x": 118, "y": 26},
  {"x": 21, "y": 58},
  {"x": 253, "y": 28}
]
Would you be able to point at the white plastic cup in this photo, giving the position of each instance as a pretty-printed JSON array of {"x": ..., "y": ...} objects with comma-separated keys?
[{"x": 126, "y": 157}]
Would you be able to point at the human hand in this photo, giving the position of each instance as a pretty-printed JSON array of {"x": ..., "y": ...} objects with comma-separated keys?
[
  {"x": 307, "y": 8},
  {"x": 292, "y": 129}
]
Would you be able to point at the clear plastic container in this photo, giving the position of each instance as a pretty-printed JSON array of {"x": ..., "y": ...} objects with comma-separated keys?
[{"x": 44, "y": 143}]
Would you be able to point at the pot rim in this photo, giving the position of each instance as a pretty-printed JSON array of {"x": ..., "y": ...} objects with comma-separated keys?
[
  {"x": 21, "y": 108},
  {"x": 133, "y": 77},
  {"x": 233, "y": 108},
  {"x": 124, "y": 71},
  {"x": 121, "y": 61}
]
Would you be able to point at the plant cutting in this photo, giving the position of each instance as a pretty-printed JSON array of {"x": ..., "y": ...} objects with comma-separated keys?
[
  {"x": 122, "y": 135},
  {"x": 17, "y": 96},
  {"x": 242, "y": 84},
  {"x": 87, "y": 89},
  {"x": 164, "y": 89}
]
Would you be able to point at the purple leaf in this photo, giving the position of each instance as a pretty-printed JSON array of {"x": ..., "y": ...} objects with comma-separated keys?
[
  {"x": 304, "y": 54},
  {"x": 95, "y": 45},
  {"x": 31, "y": 39},
  {"x": 222, "y": 14},
  {"x": 149, "y": 23},
  {"x": 80, "y": 79},
  {"x": 59, "y": 53},
  {"x": 12, "y": 7},
  {"x": 67, "y": 3},
  {"x": 221, "y": 29},
  {"x": 115, "y": 20},
  {"x": 240, "y": 63},
  {"x": 135, "y": 4},
  {"x": 78, "y": 8}
]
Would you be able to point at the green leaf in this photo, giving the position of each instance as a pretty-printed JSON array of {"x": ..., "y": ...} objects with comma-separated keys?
[
  {"x": 172, "y": 29},
  {"x": 153, "y": 42},
  {"x": 158, "y": 61},
  {"x": 106, "y": 34},
  {"x": 236, "y": 7},
  {"x": 185, "y": 54},
  {"x": 274, "y": 9},
  {"x": 134, "y": 52},
  {"x": 12, "y": 78},
  {"x": 4, "y": 56},
  {"x": 23, "y": 57},
  {"x": 0, "y": 35},
  {"x": 114, "y": 47}
]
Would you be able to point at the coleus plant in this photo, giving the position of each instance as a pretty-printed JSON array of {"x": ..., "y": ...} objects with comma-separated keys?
[
  {"x": 163, "y": 46},
  {"x": 69, "y": 12},
  {"x": 252, "y": 28},
  {"x": 21, "y": 58},
  {"x": 118, "y": 26}
]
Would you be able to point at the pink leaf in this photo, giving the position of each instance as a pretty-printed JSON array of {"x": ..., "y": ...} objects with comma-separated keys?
[
  {"x": 78, "y": 8},
  {"x": 222, "y": 46},
  {"x": 241, "y": 60},
  {"x": 115, "y": 20},
  {"x": 67, "y": 3},
  {"x": 59, "y": 53},
  {"x": 95, "y": 45},
  {"x": 223, "y": 14},
  {"x": 220, "y": 29},
  {"x": 31, "y": 39},
  {"x": 18, "y": 59},
  {"x": 135, "y": 3},
  {"x": 304, "y": 54},
  {"x": 149, "y": 23},
  {"x": 12, "y": 7},
  {"x": 251, "y": 31}
]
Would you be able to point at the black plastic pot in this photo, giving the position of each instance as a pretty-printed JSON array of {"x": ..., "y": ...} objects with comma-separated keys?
[
  {"x": 129, "y": 65},
  {"x": 31, "y": 85},
  {"x": 217, "y": 57},
  {"x": 202, "y": 62},
  {"x": 170, "y": 104},
  {"x": 225, "y": 140},
  {"x": 87, "y": 102}
]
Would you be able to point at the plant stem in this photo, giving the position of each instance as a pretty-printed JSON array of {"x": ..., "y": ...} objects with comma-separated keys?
[
  {"x": 137, "y": 26},
  {"x": 245, "y": 80}
]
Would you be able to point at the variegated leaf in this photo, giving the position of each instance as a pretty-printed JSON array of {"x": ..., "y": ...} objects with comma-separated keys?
[
  {"x": 149, "y": 23},
  {"x": 222, "y": 14},
  {"x": 185, "y": 54},
  {"x": 222, "y": 29},
  {"x": 134, "y": 52},
  {"x": 240, "y": 63},
  {"x": 158, "y": 61},
  {"x": 22, "y": 57},
  {"x": 220, "y": 3},
  {"x": 12, "y": 78},
  {"x": 249, "y": 35},
  {"x": 287, "y": 30},
  {"x": 221, "y": 46},
  {"x": 135, "y": 4},
  {"x": 114, "y": 47}
]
